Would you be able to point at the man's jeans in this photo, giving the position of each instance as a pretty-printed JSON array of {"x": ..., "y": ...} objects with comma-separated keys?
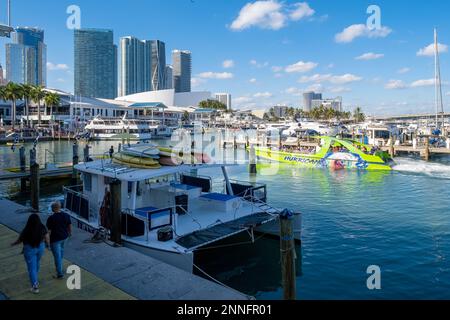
[
  {"x": 33, "y": 259},
  {"x": 58, "y": 254}
]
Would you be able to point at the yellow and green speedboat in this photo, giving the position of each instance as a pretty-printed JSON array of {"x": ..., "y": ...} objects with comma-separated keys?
[{"x": 333, "y": 153}]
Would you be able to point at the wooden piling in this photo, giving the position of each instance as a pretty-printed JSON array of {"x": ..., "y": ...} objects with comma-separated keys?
[
  {"x": 23, "y": 168},
  {"x": 287, "y": 247},
  {"x": 86, "y": 153},
  {"x": 252, "y": 166},
  {"x": 391, "y": 147},
  {"x": 75, "y": 160},
  {"x": 34, "y": 181},
  {"x": 426, "y": 153},
  {"x": 116, "y": 209}
]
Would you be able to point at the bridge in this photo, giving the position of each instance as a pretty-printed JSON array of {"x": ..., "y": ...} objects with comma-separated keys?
[{"x": 411, "y": 117}]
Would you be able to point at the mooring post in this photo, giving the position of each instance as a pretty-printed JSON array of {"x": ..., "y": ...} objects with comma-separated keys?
[
  {"x": 23, "y": 168},
  {"x": 75, "y": 160},
  {"x": 426, "y": 154},
  {"x": 213, "y": 145},
  {"x": 391, "y": 147},
  {"x": 448, "y": 143},
  {"x": 34, "y": 180},
  {"x": 86, "y": 153},
  {"x": 287, "y": 247},
  {"x": 252, "y": 167},
  {"x": 116, "y": 210}
]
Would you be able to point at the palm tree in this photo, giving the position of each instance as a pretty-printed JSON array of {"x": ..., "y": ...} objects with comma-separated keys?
[
  {"x": 13, "y": 92},
  {"x": 358, "y": 115},
  {"x": 38, "y": 95},
  {"x": 51, "y": 100},
  {"x": 27, "y": 91}
]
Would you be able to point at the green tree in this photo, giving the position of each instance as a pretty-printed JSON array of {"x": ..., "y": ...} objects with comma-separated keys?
[
  {"x": 185, "y": 117},
  {"x": 38, "y": 94},
  {"x": 212, "y": 104},
  {"x": 27, "y": 91},
  {"x": 13, "y": 92},
  {"x": 358, "y": 115},
  {"x": 51, "y": 100}
]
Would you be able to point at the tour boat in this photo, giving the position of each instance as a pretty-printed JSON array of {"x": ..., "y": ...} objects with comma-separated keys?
[
  {"x": 332, "y": 153},
  {"x": 124, "y": 129},
  {"x": 171, "y": 212}
]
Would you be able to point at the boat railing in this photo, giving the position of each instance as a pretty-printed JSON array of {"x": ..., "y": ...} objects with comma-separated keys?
[
  {"x": 248, "y": 190},
  {"x": 76, "y": 202},
  {"x": 131, "y": 216}
]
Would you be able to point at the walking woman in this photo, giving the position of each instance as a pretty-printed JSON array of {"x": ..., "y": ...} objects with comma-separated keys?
[{"x": 34, "y": 237}]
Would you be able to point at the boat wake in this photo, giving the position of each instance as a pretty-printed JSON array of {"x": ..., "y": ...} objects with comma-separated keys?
[{"x": 419, "y": 167}]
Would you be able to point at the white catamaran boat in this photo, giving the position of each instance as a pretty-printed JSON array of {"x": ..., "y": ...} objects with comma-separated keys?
[
  {"x": 169, "y": 213},
  {"x": 133, "y": 129}
]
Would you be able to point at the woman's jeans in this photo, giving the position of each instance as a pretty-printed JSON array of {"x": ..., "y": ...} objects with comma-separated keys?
[
  {"x": 33, "y": 259},
  {"x": 58, "y": 254}
]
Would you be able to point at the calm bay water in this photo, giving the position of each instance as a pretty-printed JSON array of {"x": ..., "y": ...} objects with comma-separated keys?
[{"x": 399, "y": 221}]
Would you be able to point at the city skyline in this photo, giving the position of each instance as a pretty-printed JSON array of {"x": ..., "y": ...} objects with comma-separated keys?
[{"x": 290, "y": 47}]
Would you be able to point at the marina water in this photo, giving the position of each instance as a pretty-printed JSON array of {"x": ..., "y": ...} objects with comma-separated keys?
[{"x": 399, "y": 221}]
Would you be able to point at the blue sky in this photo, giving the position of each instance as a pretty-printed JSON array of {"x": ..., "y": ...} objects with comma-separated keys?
[{"x": 269, "y": 52}]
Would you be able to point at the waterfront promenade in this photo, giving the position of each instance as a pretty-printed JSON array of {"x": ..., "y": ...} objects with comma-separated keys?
[{"x": 108, "y": 273}]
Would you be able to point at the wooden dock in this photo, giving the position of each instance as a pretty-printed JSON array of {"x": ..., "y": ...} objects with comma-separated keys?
[
  {"x": 107, "y": 272},
  {"x": 45, "y": 173}
]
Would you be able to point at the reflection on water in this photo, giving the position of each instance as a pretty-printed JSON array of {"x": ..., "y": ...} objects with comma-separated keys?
[{"x": 397, "y": 220}]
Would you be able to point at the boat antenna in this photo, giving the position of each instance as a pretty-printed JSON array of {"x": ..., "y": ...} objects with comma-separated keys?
[
  {"x": 9, "y": 13},
  {"x": 438, "y": 83}
]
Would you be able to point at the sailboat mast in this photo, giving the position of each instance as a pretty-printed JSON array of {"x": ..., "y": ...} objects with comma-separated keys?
[{"x": 438, "y": 83}]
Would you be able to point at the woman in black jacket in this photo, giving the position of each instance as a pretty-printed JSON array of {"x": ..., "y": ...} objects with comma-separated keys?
[{"x": 34, "y": 237}]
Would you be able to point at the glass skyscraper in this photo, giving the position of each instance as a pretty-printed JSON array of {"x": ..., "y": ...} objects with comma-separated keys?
[
  {"x": 135, "y": 66},
  {"x": 158, "y": 65},
  {"x": 169, "y": 77},
  {"x": 182, "y": 69},
  {"x": 95, "y": 63},
  {"x": 26, "y": 57}
]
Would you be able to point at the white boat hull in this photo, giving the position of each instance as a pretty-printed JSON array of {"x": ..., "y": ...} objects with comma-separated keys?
[{"x": 273, "y": 228}]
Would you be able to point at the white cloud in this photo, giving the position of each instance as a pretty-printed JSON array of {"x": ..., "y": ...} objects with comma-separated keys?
[
  {"x": 301, "y": 66},
  {"x": 259, "y": 65},
  {"x": 57, "y": 67},
  {"x": 423, "y": 83},
  {"x": 317, "y": 87},
  {"x": 320, "y": 78},
  {"x": 252, "y": 80},
  {"x": 196, "y": 82},
  {"x": 278, "y": 75},
  {"x": 270, "y": 14},
  {"x": 227, "y": 64},
  {"x": 293, "y": 91},
  {"x": 403, "y": 70},
  {"x": 302, "y": 10},
  {"x": 216, "y": 75},
  {"x": 277, "y": 68},
  {"x": 370, "y": 56},
  {"x": 339, "y": 89},
  {"x": 428, "y": 51},
  {"x": 395, "y": 85},
  {"x": 242, "y": 100},
  {"x": 262, "y": 14},
  {"x": 361, "y": 30},
  {"x": 263, "y": 95},
  {"x": 61, "y": 80}
]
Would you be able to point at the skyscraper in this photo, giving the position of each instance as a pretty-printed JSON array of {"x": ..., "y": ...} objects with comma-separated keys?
[
  {"x": 169, "y": 77},
  {"x": 308, "y": 98},
  {"x": 224, "y": 98},
  {"x": 135, "y": 66},
  {"x": 182, "y": 69},
  {"x": 26, "y": 57},
  {"x": 95, "y": 63},
  {"x": 2, "y": 79},
  {"x": 158, "y": 80}
]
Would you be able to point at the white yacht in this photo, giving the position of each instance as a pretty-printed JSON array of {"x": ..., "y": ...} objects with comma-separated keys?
[
  {"x": 133, "y": 129},
  {"x": 170, "y": 213}
]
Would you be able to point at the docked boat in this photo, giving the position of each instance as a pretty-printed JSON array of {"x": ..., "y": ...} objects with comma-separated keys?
[
  {"x": 171, "y": 212},
  {"x": 331, "y": 153},
  {"x": 126, "y": 129}
]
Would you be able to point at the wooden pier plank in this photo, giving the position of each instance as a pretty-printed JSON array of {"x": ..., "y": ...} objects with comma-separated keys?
[{"x": 15, "y": 285}]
